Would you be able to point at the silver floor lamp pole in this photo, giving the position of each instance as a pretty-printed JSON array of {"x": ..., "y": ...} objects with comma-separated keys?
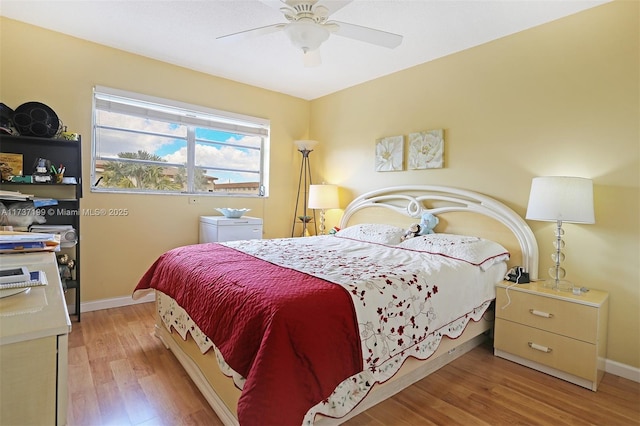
[{"x": 305, "y": 148}]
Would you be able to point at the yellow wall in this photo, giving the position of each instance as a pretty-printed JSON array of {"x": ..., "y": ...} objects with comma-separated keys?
[
  {"x": 562, "y": 98},
  {"x": 559, "y": 99},
  {"x": 60, "y": 71}
]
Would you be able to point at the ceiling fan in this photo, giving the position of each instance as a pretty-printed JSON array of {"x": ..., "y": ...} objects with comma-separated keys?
[{"x": 309, "y": 27}]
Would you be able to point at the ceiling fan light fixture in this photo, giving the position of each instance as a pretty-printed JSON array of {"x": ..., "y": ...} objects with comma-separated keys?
[
  {"x": 311, "y": 59},
  {"x": 306, "y": 35}
]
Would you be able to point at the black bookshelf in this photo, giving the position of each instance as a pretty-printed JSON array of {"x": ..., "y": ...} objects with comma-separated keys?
[{"x": 68, "y": 194}]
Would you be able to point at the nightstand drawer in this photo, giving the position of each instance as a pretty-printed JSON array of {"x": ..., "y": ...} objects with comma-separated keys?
[
  {"x": 569, "y": 319},
  {"x": 553, "y": 350}
]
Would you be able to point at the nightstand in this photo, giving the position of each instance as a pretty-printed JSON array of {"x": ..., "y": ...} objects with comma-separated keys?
[
  {"x": 215, "y": 229},
  {"x": 556, "y": 332}
]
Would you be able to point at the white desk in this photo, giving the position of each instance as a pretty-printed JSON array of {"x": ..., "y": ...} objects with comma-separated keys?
[{"x": 34, "y": 328}]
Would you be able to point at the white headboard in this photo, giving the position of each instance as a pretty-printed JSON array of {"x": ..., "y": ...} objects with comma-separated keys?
[{"x": 412, "y": 201}]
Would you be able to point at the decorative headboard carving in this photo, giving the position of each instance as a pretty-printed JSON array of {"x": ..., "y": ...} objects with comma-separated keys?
[{"x": 413, "y": 200}]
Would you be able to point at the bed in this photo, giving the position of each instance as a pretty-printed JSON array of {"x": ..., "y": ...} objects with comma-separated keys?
[{"x": 316, "y": 330}]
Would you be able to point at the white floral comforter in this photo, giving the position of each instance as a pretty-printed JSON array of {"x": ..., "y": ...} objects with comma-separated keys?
[{"x": 405, "y": 302}]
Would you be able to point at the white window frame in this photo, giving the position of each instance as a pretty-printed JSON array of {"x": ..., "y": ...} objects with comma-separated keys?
[{"x": 171, "y": 111}]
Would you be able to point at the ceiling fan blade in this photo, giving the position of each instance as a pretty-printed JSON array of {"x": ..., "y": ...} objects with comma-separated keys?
[
  {"x": 331, "y": 5},
  {"x": 288, "y": 13},
  {"x": 312, "y": 58},
  {"x": 368, "y": 35},
  {"x": 334, "y": 5},
  {"x": 243, "y": 35},
  {"x": 275, "y": 4}
]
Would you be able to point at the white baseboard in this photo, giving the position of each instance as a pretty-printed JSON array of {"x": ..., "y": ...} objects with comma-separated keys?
[
  {"x": 115, "y": 302},
  {"x": 622, "y": 370},
  {"x": 611, "y": 367}
]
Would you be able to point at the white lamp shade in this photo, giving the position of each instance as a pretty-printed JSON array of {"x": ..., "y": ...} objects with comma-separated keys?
[
  {"x": 323, "y": 197},
  {"x": 305, "y": 144},
  {"x": 568, "y": 199}
]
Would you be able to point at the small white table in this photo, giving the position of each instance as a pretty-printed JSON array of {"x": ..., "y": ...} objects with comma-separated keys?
[{"x": 215, "y": 229}]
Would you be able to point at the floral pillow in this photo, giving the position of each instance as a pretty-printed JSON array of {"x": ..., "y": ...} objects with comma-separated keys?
[
  {"x": 474, "y": 250},
  {"x": 373, "y": 233}
]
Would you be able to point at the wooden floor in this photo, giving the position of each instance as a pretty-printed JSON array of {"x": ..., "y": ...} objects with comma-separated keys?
[{"x": 120, "y": 374}]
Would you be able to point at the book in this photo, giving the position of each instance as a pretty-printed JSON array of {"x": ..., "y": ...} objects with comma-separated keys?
[
  {"x": 18, "y": 242},
  {"x": 21, "y": 246},
  {"x": 14, "y": 196},
  {"x": 13, "y": 164},
  {"x": 36, "y": 278},
  {"x": 44, "y": 202}
]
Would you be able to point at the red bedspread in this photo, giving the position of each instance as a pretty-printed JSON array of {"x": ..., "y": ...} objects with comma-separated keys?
[{"x": 293, "y": 337}]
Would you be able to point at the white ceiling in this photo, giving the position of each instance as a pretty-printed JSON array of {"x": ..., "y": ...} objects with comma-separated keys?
[{"x": 184, "y": 32}]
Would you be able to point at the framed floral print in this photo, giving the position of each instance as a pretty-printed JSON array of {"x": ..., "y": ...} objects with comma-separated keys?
[
  {"x": 426, "y": 150},
  {"x": 390, "y": 154}
]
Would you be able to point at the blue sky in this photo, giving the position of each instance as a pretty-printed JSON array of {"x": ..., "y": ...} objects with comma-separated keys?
[{"x": 168, "y": 140}]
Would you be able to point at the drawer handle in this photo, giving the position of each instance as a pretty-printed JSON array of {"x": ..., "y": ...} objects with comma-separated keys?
[
  {"x": 539, "y": 347},
  {"x": 540, "y": 313}
]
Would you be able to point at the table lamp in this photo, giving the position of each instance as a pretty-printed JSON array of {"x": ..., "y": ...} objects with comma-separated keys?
[
  {"x": 323, "y": 197},
  {"x": 560, "y": 199}
]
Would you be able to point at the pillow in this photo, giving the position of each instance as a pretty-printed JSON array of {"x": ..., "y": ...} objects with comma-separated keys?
[
  {"x": 474, "y": 250},
  {"x": 373, "y": 233}
]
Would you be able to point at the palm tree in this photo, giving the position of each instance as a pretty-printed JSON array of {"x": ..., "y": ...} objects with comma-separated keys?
[
  {"x": 136, "y": 174},
  {"x": 200, "y": 181}
]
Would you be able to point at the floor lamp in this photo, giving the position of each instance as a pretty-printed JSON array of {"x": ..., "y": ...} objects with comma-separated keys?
[
  {"x": 560, "y": 199},
  {"x": 305, "y": 147}
]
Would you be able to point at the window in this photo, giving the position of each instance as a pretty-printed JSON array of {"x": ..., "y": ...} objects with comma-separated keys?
[{"x": 143, "y": 144}]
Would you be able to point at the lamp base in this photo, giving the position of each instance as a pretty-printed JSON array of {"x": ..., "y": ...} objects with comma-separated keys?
[{"x": 559, "y": 285}]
